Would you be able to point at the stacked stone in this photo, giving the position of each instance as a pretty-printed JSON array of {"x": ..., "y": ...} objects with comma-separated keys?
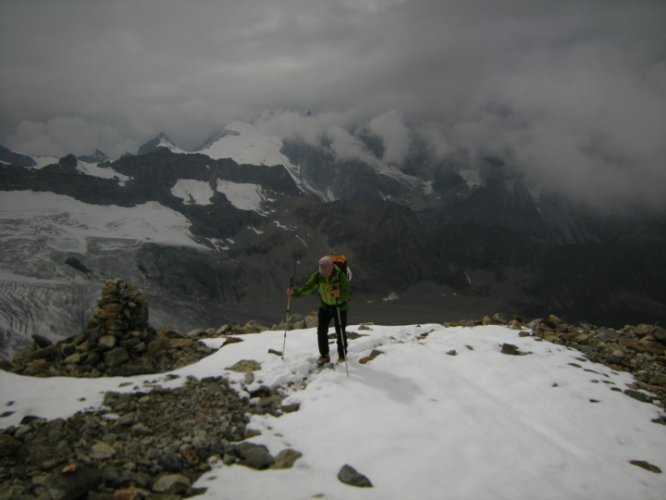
[
  {"x": 120, "y": 331},
  {"x": 121, "y": 308},
  {"x": 118, "y": 341}
]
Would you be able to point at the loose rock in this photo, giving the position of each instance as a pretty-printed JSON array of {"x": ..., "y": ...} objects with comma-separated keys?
[
  {"x": 255, "y": 456},
  {"x": 172, "y": 483},
  {"x": 373, "y": 354},
  {"x": 245, "y": 365},
  {"x": 352, "y": 477},
  {"x": 646, "y": 465},
  {"x": 286, "y": 459},
  {"x": 156, "y": 436}
]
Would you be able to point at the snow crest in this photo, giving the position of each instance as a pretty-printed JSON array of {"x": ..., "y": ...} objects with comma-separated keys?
[
  {"x": 246, "y": 144},
  {"x": 439, "y": 410}
]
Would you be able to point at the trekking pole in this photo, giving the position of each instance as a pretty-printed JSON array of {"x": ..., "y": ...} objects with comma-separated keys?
[
  {"x": 341, "y": 333},
  {"x": 286, "y": 317}
]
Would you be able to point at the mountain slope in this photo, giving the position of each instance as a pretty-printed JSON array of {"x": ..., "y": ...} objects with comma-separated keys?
[
  {"x": 439, "y": 409},
  {"x": 162, "y": 141},
  {"x": 143, "y": 228},
  {"x": 445, "y": 246}
]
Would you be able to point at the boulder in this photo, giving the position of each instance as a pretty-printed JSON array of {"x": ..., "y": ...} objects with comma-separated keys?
[
  {"x": 75, "y": 484},
  {"x": 255, "y": 456},
  {"x": 9, "y": 445},
  {"x": 245, "y": 365},
  {"x": 373, "y": 354},
  {"x": 73, "y": 359},
  {"x": 181, "y": 343},
  {"x": 311, "y": 320},
  {"x": 171, "y": 483},
  {"x": 107, "y": 341},
  {"x": 500, "y": 319},
  {"x": 511, "y": 349},
  {"x": 286, "y": 459},
  {"x": 102, "y": 450},
  {"x": 40, "y": 341},
  {"x": 116, "y": 357},
  {"x": 36, "y": 367},
  {"x": 643, "y": 329},
  {"x": 352, "y": 477},
  {"x": 643, "y": 464},
  {"x": 158, "y": 344}
]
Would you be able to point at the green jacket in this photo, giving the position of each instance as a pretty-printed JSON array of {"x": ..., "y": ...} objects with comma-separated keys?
[{"x": 337, "y": 281}]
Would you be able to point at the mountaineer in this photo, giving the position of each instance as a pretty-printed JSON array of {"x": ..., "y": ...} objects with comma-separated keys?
[{"x": 332, "y": 283}]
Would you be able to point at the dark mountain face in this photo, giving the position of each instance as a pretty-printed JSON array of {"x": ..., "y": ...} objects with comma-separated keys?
[
  {"x": 613, "y": 281},
  {"x": 342, "y": 180},
  {"x": 8, "y": 156},
  {"x": 459, "y": 251},
  {"x": 97, "y": 157},
  {"x": 154, "y": 144}
]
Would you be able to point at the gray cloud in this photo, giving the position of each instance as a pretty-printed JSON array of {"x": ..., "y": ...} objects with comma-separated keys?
[
  {"x": 394, "y": 134},
  {"x": 573, "y": 93}
]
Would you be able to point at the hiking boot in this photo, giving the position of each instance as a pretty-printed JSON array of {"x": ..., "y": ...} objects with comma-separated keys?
[
  {"x": 341, "y": 359},
  {"x": 323, "y": 360}
]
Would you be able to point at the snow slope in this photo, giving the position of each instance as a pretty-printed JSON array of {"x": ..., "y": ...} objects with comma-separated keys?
[
  {"x": 192, "y": 192},
  {"x": 418, "y": 422},
  {"x": 65, "y": 224},
  {"x": 246, "y": 144},
  {"x": 243, "y": 195},
  {"x": 165, "y": 142},
  {"x": 94, "y": 170}
]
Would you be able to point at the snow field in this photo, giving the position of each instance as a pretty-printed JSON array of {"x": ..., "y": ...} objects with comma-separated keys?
[
  {"x": 246, "y": 144},
  {"x": 418, "y": 422},
  {"x": 66, "y": 223},
  {"x": 243, "y": 196}
]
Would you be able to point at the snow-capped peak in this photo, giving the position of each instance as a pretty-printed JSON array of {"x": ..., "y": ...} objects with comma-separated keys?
[
  {"x": 246, "y": 144},
  {"x": 97, "y": 157},
  {"x": 161, "y": 141}
]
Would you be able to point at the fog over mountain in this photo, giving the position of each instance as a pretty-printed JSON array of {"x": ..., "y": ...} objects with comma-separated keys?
[{"x": 572, "y": 94}]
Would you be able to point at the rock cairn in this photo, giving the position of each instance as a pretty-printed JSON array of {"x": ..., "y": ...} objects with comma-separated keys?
[
  {"x": 140, "y": 445},
  {"x": 121, "y": 309},
  {"x": 117, "y": 341},
  {"x": 638, "y": 349},
  {"x": 119, "y": 334}
]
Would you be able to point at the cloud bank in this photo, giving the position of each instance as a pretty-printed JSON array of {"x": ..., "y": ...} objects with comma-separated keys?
[{"x": 572, "y": 94}]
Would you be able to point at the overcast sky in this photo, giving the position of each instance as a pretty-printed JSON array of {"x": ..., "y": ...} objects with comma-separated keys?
[{"x": 572, "y": 92}]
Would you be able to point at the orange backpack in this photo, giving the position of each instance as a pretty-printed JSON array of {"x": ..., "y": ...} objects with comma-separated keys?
[{"x": 341, "y": 262}]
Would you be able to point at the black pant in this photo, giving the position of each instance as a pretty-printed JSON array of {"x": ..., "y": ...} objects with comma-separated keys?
[{"x": 325, "y": 315}]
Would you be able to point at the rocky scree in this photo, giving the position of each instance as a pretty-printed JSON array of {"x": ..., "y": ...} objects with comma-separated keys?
[
  {"x": 141, "y": 444},
  {"x": 153, "y": 443}
]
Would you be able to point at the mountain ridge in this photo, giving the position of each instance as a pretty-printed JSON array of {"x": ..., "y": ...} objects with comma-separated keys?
[{"x": 474, "y": 247}]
